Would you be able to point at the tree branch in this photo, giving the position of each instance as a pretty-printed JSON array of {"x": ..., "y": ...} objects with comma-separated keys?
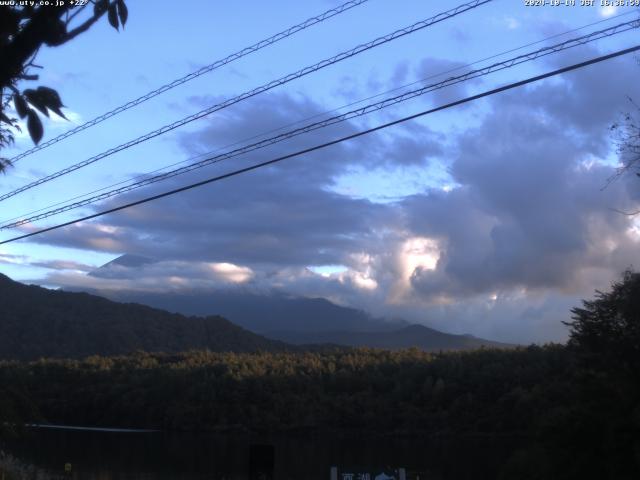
[
  {"x": 80, "y": 28},
  {"x": 73, "y": 15}
]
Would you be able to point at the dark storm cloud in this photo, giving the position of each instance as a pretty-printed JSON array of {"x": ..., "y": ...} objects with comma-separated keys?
[
  {"x": 528, "y": 232},
  {"x": 531, "y": 213},
  {"x": 274, "y": 226},
  {"x": 282, "y": 215},
  {"x": 588, "y": 101}
]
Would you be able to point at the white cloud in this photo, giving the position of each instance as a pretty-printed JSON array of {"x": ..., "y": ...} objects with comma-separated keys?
[
  {"x": 520, "y": 228},
  {"x": 414, "y": 254},
  {"x": 151, "y": 277},
  {"x": 361, "y": 280},
  {"x": 608, "y": 11},
  {"x": 327, "y": 270},
  {"x": 512, "y": 23},
  {"x": 232, "y": 273}
]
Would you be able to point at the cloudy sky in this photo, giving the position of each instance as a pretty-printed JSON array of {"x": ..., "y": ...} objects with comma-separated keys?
[{"x": 489, "y": 218}]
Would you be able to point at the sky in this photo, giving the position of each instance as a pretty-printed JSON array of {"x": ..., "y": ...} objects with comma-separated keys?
[{"x": 489, "y": 218}]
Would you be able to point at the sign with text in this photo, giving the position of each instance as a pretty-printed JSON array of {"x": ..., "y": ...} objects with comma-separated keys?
[{"x": 339, "y": 473}]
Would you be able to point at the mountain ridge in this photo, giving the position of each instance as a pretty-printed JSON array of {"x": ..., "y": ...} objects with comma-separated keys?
[
  {"x": 278, "y": 315},
  {"x": 37, "y": 322},
  {"x": 418, "y": 336},
  {"x": 259, "y": 312}
]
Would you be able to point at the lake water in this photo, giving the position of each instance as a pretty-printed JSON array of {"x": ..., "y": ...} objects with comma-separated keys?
[{"x": 191, "y": 456}]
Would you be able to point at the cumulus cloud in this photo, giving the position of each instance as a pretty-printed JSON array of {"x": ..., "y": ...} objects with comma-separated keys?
[
  {"x": 526, "y": 232},
  {"x": 530, "y": 215},
  {"x": 346, "y": 287},
  {"x": 156, "y": 276},
  {"x": 284, "y": 215}
]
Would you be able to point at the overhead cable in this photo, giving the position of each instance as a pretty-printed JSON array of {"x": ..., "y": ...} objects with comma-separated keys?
[
  {"x": 608, "y": 32},
  {"x": 332, "y": 142},
  {"x": 201, "y": 71},
  {"x": 268, "y": 86}
]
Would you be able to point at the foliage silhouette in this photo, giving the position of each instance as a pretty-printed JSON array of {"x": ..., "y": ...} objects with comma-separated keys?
[{"x": 24, "y": 29}]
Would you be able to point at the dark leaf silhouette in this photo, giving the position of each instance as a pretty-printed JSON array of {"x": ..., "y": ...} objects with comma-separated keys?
[
  {"x": 123, "y": 12},
  {"x": 113, "y": 16},
  {"x": 56, "y": 31},
  {"x": 36, "y": 100},
  {"x": 25, "y": 27},
  {"x": 35, "y": 126},
  {"x": 51, "y": 99},
  {"x": 5, "y": 119},
  {"x": 100, "y": 6},
  {"x": 21, "y": 105}
]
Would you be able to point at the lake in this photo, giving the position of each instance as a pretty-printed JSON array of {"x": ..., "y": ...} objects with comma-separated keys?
[{"x": 190, "y": 456}]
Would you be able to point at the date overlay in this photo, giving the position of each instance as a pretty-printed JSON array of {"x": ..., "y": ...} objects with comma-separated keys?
[{"x": 582, "y": 3}]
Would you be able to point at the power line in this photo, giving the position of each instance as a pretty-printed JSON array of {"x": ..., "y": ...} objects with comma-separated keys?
[
  {"x": 334, "y": 142},
  {"x": 467, "y": 65},
  {"x": 327, "y": 112},
  {"x": 275, "y": 83},
  {"x": 6, "y": 223},
  {"x": 209, "y": 68},
  {"x": 297, "y": 122},
  {"x": 527, "y": 57}
]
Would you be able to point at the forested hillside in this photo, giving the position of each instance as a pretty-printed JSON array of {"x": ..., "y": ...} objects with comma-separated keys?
[
  {"x": 366, "y": 389},
  {"x": 565, "y": 416},
  {"x": 575, "y": 406},
  {"x": 36, "y": 322}
]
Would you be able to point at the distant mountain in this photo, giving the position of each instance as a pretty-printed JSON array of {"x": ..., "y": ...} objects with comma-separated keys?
[
  {"x": 258, "y": 312},
  {"x": 304, "y": 321},
  {"x": 36, "y": 322},
  {"x": 114, "y": 268},
  {"x": 296, "y": 320},
  {"x": 418, "y": 336}
]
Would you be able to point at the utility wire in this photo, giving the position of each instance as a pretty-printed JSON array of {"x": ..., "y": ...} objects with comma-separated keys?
[
  {"x": 268, "y": 86},
  {"x": 209, "y": 68},
  {"x": 334, "y": 142},
  {"x": 6, "y": 222},
  {"x": 148, "y": 180}
]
